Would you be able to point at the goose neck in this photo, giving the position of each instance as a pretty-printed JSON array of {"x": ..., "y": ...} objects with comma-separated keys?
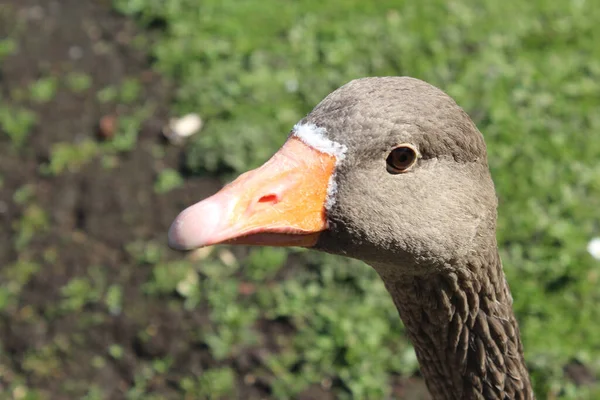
[{"x": 463, "y": 329}]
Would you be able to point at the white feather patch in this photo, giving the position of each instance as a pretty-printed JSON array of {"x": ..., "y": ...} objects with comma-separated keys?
[
  {"x": 314, "y": 136},
  {"x": 331, "y": 192}
]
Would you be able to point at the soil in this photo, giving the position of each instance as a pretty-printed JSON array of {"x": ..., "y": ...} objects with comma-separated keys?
[{"x": 94, "y": 213}]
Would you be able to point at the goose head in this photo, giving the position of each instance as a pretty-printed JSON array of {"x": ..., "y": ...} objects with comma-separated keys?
[
  {"x": 392, "y": 172},
  {"x": 387, "y": 170}
]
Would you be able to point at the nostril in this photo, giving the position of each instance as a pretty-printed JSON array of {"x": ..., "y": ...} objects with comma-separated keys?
[
  {"x": 269, "y": 198},
  {"x": 264, "y": 202}
]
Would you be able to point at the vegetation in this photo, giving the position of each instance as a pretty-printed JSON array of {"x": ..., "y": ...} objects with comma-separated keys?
[{"x": 528, "y": 74}]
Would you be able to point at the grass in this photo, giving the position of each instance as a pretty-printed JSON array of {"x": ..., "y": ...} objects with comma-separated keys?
[
  {"x": 72, "y": 157},
  {"x": 527, "y": 73},
  {"x": 43, "y": 90},
  {"x": 16, "y": 122}
]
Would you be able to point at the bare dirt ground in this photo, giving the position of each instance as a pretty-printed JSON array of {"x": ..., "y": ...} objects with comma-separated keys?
[{"x": 93, "y": 213}]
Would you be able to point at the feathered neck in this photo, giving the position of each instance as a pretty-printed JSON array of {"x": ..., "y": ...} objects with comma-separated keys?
[{"x": 464, "y": 331}]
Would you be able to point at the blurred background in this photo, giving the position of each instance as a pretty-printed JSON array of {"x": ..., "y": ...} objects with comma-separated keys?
[{"x": 95, "y": 162}]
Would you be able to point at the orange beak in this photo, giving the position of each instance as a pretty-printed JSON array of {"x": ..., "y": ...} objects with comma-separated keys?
[{"x": 282, "y": 203}]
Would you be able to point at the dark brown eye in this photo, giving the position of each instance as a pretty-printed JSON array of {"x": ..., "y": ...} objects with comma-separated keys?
[{"x": 401, "y": 159}]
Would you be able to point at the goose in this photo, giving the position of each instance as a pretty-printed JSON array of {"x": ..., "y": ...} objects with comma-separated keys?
[{"x": 390, "y": 171}]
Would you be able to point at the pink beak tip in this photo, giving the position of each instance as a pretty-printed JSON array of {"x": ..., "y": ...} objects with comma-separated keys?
[
  {"x": 197, "y": 226},
  {"x": 176, "y": 239}
]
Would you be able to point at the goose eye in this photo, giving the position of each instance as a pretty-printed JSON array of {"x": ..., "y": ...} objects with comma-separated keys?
[{"x": 401, "y": 159}]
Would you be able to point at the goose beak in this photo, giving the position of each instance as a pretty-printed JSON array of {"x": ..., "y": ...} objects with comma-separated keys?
[{"x": 282, "y": 203}]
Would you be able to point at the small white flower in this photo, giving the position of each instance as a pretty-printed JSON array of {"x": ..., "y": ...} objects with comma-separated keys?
[
  {"x": 594, "y": 248},
  {"x": 181, "y": 128}
]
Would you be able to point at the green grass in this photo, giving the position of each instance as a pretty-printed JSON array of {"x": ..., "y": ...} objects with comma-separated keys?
[
  {"x": 16, "y": 122},
  {"x": 7, "y": 47},
  {"x": 78, "y": 82},
  {"x": 43, "y": 90},
  {"x": 167, "y": 180},
  {"x": 528, "y": 74}
]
